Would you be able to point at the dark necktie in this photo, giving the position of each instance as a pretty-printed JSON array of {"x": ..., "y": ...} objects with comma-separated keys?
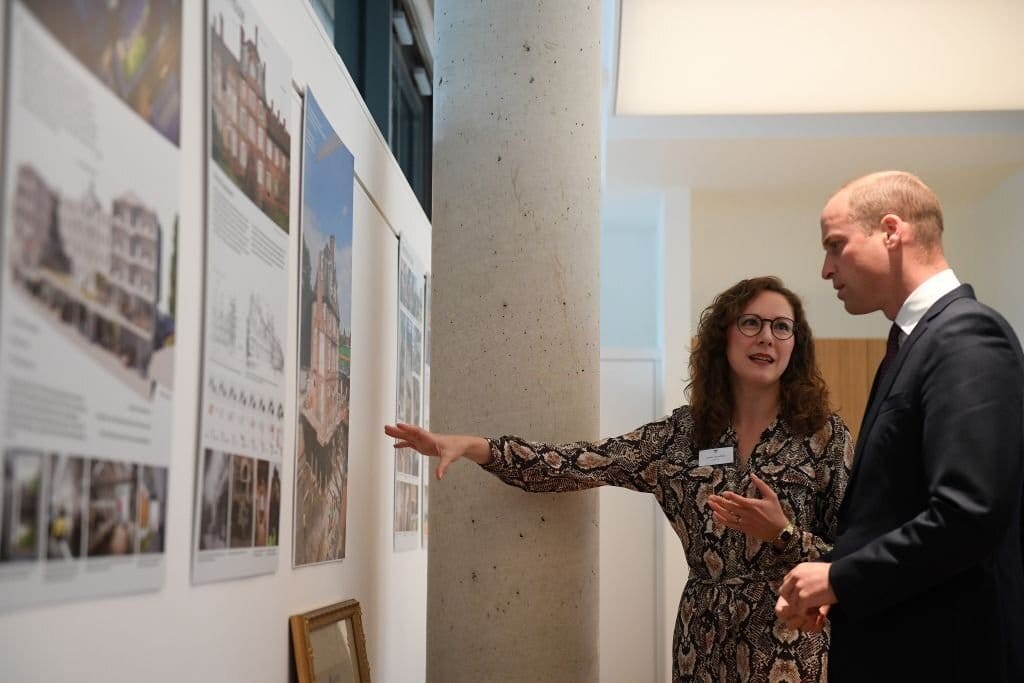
[{"x": 892, "y": 347}]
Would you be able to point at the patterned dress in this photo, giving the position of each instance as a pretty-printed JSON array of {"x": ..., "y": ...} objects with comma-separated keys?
[{"x": 726, "y": 629}]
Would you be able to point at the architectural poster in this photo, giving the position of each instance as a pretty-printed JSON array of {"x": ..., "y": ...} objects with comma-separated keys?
[
  {"x": 90, "y": 208},
  {"x": 240, "y": 449},
  {"x": 428, "y": 467},
  {"x": 325, "y": 342},
  {"x": 410, "y": 396}
]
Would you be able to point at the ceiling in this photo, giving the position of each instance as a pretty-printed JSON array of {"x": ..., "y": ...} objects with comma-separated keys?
[{"x": 767, "y": 133}]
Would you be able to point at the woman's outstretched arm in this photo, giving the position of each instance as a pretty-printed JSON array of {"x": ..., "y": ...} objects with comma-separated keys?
[{"x": 447, "y": 448}]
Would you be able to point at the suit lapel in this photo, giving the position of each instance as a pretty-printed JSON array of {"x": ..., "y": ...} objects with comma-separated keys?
[{"x": 880, "y": 390}]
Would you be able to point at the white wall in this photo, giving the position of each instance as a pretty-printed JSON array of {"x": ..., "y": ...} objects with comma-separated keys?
[
  {"x": 645, "y": 264},
  {"x": 739, "y": 234},
  {"x": 676, "y": 250},
  {"x": 630, "y": 272},
  {"x": 238, "y": 630},
  {"x": 630, "y": 383},
  {"x": 628, "y": 626},
  {"x": 798, "y": 56},
  {"x": 985, "y": 245}
]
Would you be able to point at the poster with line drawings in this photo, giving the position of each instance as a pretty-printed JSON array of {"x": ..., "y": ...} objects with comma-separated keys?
[{"x": 245, "y": 310}]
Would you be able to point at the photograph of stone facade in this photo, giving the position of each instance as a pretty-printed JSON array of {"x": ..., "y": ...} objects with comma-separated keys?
[
  {"x": 243, "y": 487},
  {"x": 111, "y": 522},
  {"x": 216, "y": 489},
  {"x": 95, "y": 268},
  {"x": 67, "y": 496},
  {"x": 250, "y": 138},
  {"x": 322, "y": 454},
  {"x": 23, "y": 492},
  {"x": 152, "y": 505}
]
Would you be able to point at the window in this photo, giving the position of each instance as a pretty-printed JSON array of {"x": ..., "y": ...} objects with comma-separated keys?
[
  {"x": 384, "y": 48},
  {"x": 325, "y": 12}
]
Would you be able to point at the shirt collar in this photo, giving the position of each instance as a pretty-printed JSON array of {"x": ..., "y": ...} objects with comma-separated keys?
[{"x": 922, "y": 298}]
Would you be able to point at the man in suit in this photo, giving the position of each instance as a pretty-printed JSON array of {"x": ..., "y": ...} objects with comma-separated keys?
[{"x": 926, "y": 578}]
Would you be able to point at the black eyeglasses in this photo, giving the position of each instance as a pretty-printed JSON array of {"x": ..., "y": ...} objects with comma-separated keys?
[{"x": 750, "y": 324}]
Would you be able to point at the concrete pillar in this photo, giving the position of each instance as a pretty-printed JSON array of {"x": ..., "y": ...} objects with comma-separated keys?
[{"x": 512, "y": 577}]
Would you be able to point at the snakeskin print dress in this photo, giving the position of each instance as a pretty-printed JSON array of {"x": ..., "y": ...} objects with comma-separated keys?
[{"x": 726, "y": 628}]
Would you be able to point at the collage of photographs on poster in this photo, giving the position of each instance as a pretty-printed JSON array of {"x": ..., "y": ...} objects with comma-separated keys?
[
  {"x": 324, "y": 342},
  {"x": 409, "y": 409},
  {"x": 242, "y": 414},
  {"x": 90, "y": 208}
]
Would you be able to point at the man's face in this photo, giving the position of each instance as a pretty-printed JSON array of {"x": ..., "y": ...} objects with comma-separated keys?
[{"x": 856, "y": 261}]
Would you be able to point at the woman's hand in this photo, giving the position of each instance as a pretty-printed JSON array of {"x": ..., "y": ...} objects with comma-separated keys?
[
  {"x": 762, "y": 518},
  {"x": 446, "y": 447}
]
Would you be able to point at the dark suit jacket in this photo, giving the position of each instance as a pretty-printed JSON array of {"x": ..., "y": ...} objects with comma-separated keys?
[{"x": 928, "y": 565}]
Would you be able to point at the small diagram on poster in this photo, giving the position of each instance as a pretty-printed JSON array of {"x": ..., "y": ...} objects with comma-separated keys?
[
  {"x": 325, "y": 342},
  {"x": 409, "y": 407},
  {"x": 242, "y": 406}
]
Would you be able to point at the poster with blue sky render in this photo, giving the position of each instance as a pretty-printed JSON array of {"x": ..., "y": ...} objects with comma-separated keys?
[{"x": 325, "y": 342}]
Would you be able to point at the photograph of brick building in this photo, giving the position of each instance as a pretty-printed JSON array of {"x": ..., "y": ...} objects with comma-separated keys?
[
  {"x": 250, "y": 138},
  {"x": 325, "y": 341},
  {"x": 322, "y": 453}
]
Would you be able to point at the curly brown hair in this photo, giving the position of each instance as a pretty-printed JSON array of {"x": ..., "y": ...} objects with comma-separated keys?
[{"x": 804, "y": 395}]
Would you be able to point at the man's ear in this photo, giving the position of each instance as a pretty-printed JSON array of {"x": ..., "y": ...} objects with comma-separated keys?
[{"x": 892, "y": 225}]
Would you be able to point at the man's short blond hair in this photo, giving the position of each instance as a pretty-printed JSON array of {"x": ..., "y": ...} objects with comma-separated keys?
[{"x": 902, "y": 194}]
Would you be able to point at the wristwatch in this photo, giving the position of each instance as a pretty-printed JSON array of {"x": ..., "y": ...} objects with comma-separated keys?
[{"x": 782, "y": 540}]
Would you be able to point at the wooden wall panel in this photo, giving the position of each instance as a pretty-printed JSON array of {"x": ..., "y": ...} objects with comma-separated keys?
[{"x": 848, "y": 366}]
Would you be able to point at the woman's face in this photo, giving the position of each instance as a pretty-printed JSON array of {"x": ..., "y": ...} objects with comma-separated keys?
[{"x": 758, "y": 361}]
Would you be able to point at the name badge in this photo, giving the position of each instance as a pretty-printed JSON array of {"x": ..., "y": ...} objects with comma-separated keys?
[{"x": 715, "y": 456}]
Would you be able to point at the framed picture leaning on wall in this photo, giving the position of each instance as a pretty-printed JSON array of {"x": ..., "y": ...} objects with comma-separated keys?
[{"x": 330, "y": 645}]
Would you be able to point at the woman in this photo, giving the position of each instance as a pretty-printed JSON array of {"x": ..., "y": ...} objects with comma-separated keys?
[{"x": 750, "y": 475}]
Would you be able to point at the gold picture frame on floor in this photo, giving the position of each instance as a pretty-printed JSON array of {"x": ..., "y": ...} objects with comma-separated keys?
[{"x": 330, "y": 646}]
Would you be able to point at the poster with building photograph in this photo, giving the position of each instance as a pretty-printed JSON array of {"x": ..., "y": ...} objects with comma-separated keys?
[
  {"x": 90, "y": 207},
  {"x": 325, "y": 342},
  {"x": 245, "y": 307},
  {"x": 410, "y": 395},
  {"x": 428, "y": 468}
]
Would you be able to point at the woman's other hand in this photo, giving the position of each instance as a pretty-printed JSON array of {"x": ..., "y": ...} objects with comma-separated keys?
[
  {"x": 761, "y": 518},
  {"x": 446, "y": 447}
]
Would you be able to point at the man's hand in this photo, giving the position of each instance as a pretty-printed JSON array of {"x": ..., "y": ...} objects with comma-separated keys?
[{"x": 805, "y": 596}]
